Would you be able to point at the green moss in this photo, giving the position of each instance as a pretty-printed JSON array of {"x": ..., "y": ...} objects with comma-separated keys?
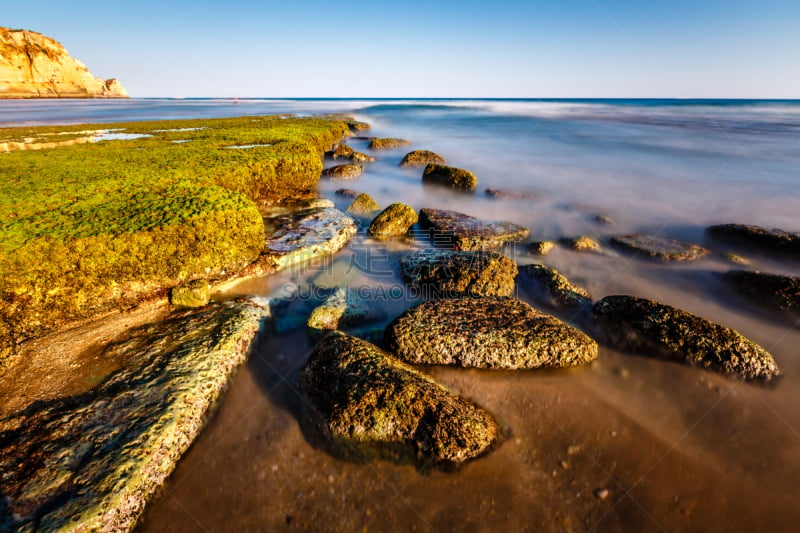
[{"x": 89, "y": 227}]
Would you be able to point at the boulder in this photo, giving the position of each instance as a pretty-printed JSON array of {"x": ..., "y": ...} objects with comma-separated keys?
[
  {"x": 420, "y": 158},
  {"x": 366, "y": 404},
  {"x": 343, "y": 308},
  {"x": 363, "y": 205},
  {"x": 486, "y": 333},
  {"x": 387, "y": 143},
  {"x": 456, "y": 178},
  {"x": 361, "y": 157},
  {"x": 582, "y": 243},
  {"x": 446, "y": 274},
  {"x": 541, "y": 247},
  {"x": 550, "y": 287},
  {"x": 774, "y": 291},
  {"x": 298, "y": 237},
  {"x": 735, "y": 258},
  {"x": 450, "y": 229},
  {"x": 645, "y": 326},
  {"x": 347, "y": 193},
  {"x": 342, "y": 151},
  {"x": 395, "y": 220},
  {"x": 359, "y": 126},
  {"x": 776, "y": 241},
  {"x": 196, "y": 293},
  {"x": 658, "y": 247},
  {"x": 343, "y": 172},
  {"x": 509, "y": 194}
]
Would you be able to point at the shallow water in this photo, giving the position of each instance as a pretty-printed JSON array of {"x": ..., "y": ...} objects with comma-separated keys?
[{"x": 676, "y": 448}]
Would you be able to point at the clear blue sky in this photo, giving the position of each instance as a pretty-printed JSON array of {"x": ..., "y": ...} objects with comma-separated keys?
[{"x": 370, "y": 48}]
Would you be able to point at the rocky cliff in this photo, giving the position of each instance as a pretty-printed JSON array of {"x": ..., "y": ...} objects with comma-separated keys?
[{"x": 35, "y": 66}]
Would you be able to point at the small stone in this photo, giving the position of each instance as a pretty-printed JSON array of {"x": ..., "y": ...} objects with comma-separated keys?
[
  {"x": 509, "y": 194},
  {"x": 541, "y": 247},
  {"x": 573, "y": 449},
  {"x": 347, "y": 193},
  {"x": 735, "y": 258},
  {"x": 395, "y": 220},
  {"x": 361, "y": 157},
  {"x": 343, "y": 172},
  {"x": 342, "y": 309},
  {"x": 658, "y": 247},
  {"x": 363, "y": 205},
  {"x": 602, "y": 220},
  {"x": 550, "y": 287},
  {"x": 196, "y": 293},
  {"x": 342, "y": 151},
  {"x": 420, "y": 158},
  {"x": 601, "y": 494},
  {"x": 456, "y": 178},
  {"x": 582, "y": 243},
  {"x": 387, "y": 143}
]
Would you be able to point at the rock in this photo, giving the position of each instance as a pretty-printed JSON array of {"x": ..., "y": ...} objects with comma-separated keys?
[
  {"x": 450, "y": 229},
  {"x": 652, "y": 328},
  {"x": 366, "y": 404},
  {"x": 303, "y": 235},
  {"x": 342, "y": 151},
  {"x": 342, "y": 309},
  {"x": 343, "y": 172},
  {"x": 602, "y": 220},
  {"x": 735, "y": 258},
  {"x": 581, "y": 243},
  {"x": 387, "y": 143},
  {"x": 35, "y": 66},
  {"x": 766, "y": 240},
  {"x": 359, "y": 126},
  {"x": 446, "y": 274},
  {"x": 309, "y": 203},
  {"x": 420, "y": 158},
  {"x": 508, "y": 194},
  {"x": 457, "y": 178},
  {"x": 486, "y": 333},
  {"x": 549, "y": 286},
  {"x": 193, "y": 294},
  {"x": 361, "y": 157},
  {"x": 774, "y": 291},
  {"x": 601, "y": 494},
  {"x": 347, "y": 193},
  {"x": 658, "y": 247},
  {"x": 92, "y": 461},
  {"x": 541, "y": 247},
  {"x": 363, "y": 205},
  {"x": 395, "y": 220},
  {"x": 362, "y": 138}
]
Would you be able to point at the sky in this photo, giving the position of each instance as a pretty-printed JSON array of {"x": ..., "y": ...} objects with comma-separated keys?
[{"x": 417, "y": 48}]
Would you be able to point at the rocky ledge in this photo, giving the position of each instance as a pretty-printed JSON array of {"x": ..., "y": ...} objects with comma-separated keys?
[
  {"x": 364, "y": 404},
  {"x": 90, "y": 462}
]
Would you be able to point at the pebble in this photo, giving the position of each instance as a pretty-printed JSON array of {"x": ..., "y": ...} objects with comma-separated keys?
[{"x": 601, "y": 494}]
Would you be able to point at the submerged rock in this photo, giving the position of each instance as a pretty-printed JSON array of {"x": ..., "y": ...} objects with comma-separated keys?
[
  {"x": 457, "y": 178},
  {"x": 509, "y": 194},
  {"x": 658, "y": 247},
  {"x": 387, "y": 143},
  {"x": 486, "y": 333},
  {"x": 395, "y": 220},
  {"x": 420, "y": 158},
  {"x": 582, "y": 243},
  {"x": 601, "y": 219},
  {"x": 774, "y": 291},
  {"x": 347, "y": 193},
  {"x": 445, "y": 274},
  {"x": 342, "y": 151},
  {"x": 361, "y": 157},
  {"x": 91, "y": 461},
  {"x": 359, "y": 126},
  {"x": 767, "y": 240},
  {"x": 549, "y": 286},
  {"x": 303, "y": 235},
  {"x": 636, "y": 324},
  {"x": 196, "y": 293},
  {"x": 367, "y": 404},
  {"x": 735, "y": 258},
  {"x": 450, "y": 229},
  {"x": 343, "y": 172},
  {"x": 363, "y": 205},
  {"x": 342, "y": 309},
  {"x": 541, "y": 247}
]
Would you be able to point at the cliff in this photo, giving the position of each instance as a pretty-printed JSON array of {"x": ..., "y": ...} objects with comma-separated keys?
[{"x": 35, "y": 66}]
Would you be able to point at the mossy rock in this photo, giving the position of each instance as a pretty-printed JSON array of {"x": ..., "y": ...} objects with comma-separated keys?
[
  {"x": 581, "y": 243},
  {"x": 774, "y": 241},
  {"x": 361, "y": 157},
  {"x": 420, "y": 158},
  {"x": 364, "y": 204},
  {"x": 343, "y": 172},
  {"x": 359, "y": 126},
  {"x": 342, "y": 151},
  {"x": 541, "y": 247},
  {"x": 342, "y": 309},
  {"x": 395, "y": 220},
  {"x": 773, "y": 291},
  {"x": 387, "y": 143},
  {"x": 658, "y": 330},
  {"x": 550, "y": 287},
  {"x": 193, "y": 294},
  {"x": 456, "y": 178},
  {"x": 365, "y": 404},
  {"x": 457, "y": 231},
  {"x": 496, "y": 333},
  {"x": 446, "y": 274},
  {"x": 658, "y": 247}
]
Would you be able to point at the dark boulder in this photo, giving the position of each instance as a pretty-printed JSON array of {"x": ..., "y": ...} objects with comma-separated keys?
[
  {"x": 547, "y": 285},
  {"x": 774, "y": 291},
  {"x": 774, "y": 241}
]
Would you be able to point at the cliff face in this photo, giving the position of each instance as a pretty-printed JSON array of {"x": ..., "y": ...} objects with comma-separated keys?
[{"x": 35, "y": 66}]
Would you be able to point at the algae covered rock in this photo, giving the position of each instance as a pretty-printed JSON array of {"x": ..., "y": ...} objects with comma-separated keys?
[
  {"x": 366, "y": 404},
  {"x": 457, "y": 178},
  {"x": 445, "y": 274},
  {"x": 347, "y": 193},
  {"x": 541, "y": 247},
  {"x": 342, "y": 151},
  {"x": 361, "y": 157},
  {"x": 303, "y": 235},
  {"x": 658, "y": 247},
  {"x": 193, "y": 294},
  {"x": 343, "y": 308},
  {"x": 387, "y": 143},
  {"x": 581, "y": 243},
  {"x": 450, "y": 229},
  {"x": 395, "y": 220},
  {"x": 774, "y": 291},
  {"x": 359, "y": 126},
  {"x": 775, "y": 241},
  {"x": 420, "y": 158},
  {"x": 363, "y": 205},
  {"x": 91, "y": 461},
  {"x": 486, "y": 333},
  {"x": 549, "y": 286},
  {"x": 343, "y": 172},
  {"x": 652, "y": 328},
  {"x": 509, "y": 194}
]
